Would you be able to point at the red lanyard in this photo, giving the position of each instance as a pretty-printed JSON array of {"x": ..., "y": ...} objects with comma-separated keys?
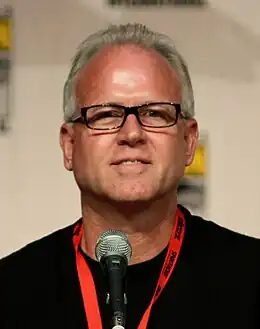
[{"x": 87, "y": 284}]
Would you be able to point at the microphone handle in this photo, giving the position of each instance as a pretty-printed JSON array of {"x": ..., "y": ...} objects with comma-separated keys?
[{"x": 115, "y": 268}]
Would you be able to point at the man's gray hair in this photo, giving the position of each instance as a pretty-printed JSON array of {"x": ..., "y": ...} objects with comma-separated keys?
[{"x": 133, "y": 33}]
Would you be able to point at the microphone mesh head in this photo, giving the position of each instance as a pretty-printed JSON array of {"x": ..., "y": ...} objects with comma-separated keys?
[{"x": 112, "y": 242}]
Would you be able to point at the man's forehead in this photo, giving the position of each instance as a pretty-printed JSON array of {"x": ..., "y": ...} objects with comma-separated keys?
[
  {"x": 119, "y": 55},
  {"x": 127, "y": 66}
]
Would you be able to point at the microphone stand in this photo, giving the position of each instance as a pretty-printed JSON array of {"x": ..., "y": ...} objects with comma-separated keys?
[{"x": 114, "y": 267}]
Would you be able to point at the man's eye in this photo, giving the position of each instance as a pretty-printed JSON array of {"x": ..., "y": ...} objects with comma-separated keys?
[
  {"x": 152, "y": 113},
  {"x": 105, "y": 114}
]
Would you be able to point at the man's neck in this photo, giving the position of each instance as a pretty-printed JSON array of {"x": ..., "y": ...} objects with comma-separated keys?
[{"x": 148, "y": 231}]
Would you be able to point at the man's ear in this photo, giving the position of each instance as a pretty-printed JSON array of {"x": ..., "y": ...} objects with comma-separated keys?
[
  {"x": 66, "y": 143},
  {"x": 191, "y": 139}
]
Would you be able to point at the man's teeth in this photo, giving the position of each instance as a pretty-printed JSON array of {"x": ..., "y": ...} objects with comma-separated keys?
[{"x": 130, "y": 162}]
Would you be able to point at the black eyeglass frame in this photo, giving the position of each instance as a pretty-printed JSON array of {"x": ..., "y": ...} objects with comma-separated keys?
[{"x": 128, "y": 110}]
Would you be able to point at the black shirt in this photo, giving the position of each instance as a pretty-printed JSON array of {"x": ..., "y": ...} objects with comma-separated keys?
[
  {"x": 141, "y": 282},
  {"x": 215, "y": 284}
]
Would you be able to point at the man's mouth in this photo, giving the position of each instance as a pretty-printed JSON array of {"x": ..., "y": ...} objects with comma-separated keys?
[{"x": 129, "y": 162}]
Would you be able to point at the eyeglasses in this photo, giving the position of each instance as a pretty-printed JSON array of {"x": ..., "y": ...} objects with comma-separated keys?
[{"x": 113, "y": 116}]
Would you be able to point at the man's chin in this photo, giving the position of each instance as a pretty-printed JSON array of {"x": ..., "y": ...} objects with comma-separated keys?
[{"x": 124, "y": 193}]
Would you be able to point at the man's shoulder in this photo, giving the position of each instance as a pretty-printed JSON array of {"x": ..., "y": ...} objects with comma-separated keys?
[
  {"x": 38, "y": 253},
  {"x": 216, "y": 232},
  {"x": 224, "y": 246},
  {"x": 32, "y": 277}
]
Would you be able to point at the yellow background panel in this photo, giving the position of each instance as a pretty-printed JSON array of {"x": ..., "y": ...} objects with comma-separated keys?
[{"x": 5, "y": 33}]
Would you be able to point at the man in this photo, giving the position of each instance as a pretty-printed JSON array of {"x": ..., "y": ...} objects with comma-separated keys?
[{"x": 128, "y": 134}]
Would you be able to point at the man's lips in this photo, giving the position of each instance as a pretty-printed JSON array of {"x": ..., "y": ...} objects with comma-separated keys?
[{"x": 131, "y": 161}]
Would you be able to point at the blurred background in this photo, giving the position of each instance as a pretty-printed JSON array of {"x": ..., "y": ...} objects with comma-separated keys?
[{"x": 220, "y": 41}]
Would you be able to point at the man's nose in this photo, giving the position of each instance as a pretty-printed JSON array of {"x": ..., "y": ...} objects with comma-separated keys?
[{"x": 131, "y": 133}]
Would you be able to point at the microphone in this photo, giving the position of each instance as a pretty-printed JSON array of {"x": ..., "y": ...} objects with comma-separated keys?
[{"x": 113, "y": 251}]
